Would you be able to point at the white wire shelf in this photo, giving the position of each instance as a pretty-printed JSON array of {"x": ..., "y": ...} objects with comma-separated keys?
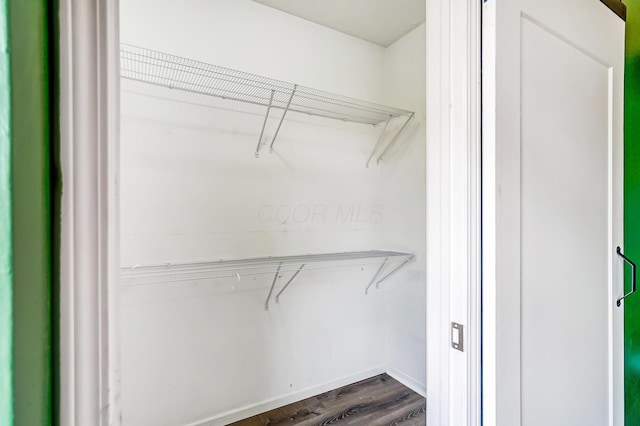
[
  {"x": 175, "y": 72},
  {"x": 389, "y": 262}
]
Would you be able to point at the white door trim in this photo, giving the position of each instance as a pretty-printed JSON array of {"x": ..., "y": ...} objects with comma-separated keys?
[
  {"x": 453, "y": 210},
  {"x": 89, "y": 138}
]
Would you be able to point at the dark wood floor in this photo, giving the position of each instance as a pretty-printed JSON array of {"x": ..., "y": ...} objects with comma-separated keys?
[{"x": 377, "y": 401}]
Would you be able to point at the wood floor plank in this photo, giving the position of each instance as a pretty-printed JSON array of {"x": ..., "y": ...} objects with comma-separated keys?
[{"x": 378, "y": 401}]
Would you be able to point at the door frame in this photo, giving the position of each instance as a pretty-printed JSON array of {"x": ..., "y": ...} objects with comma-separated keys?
[
  {"x": 453, "y": 211},
  {"x": 89, "y": 376},
  {"x": 89, "y": 151}
]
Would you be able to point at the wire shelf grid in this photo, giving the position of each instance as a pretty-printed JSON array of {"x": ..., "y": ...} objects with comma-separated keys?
[
  {"x": 183, "y": 272},
  {"x": 175, "y": 72}
]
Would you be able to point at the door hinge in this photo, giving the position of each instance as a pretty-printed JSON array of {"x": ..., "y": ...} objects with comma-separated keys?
[{"x": 457, "y": 336}]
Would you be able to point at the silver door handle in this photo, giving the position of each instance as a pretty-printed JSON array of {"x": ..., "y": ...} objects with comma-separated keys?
[{"x": 633, "y": 275}]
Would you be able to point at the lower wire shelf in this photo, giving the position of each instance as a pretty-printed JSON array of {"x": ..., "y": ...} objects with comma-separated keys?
[{"x": 389, "y": 262}]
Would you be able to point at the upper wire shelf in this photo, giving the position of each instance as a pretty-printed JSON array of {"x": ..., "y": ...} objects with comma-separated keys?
[
  {"x": 389, "y": 262},
  {"x": 175, "y": 72}
]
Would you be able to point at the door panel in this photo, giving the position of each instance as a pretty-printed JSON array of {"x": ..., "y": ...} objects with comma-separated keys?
[
  {"x": 564, "y": 225},
  {"x": 552, "y": 213}
]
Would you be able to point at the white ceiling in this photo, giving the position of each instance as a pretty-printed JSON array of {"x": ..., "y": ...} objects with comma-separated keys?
[{"x": 379, "y": 21}]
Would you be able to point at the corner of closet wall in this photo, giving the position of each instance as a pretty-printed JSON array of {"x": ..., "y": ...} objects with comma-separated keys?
[{"x": 404, "y": 183}]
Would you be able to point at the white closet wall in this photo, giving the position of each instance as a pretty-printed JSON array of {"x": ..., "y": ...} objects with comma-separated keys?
[
  {"x": 404, "y": 182},
  {"x": 248, "y": 36},
  {"x": 192, "y": 190}
]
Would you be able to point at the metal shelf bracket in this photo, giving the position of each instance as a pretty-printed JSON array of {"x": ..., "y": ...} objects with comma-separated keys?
[
  {"x": 273, "y": 284},
  {"x": 395, "y": 138},
  {"x": 375, "y": 148},
  {"x": 264, "y": 124},
  {"x": 393, "y": 271},
  {"x": 366, "y": 291},
  {"x": 288, "y": 282},
  {"x": 293, "y": 92}
]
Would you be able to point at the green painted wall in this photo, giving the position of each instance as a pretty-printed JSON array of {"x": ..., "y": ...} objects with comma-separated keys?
[
  {"x": 6, "y": 275},
  {"x": 632, "y": 209},
  {"x": 28, "y": 38}
]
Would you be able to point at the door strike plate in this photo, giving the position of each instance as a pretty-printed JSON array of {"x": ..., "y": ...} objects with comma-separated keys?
[{"x": 457, "y": 336}]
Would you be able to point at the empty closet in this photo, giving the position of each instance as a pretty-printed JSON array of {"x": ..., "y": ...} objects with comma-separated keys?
[{"x": 273, "y": 208}]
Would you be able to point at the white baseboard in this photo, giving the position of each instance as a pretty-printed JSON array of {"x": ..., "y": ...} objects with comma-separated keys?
[
  {"x": 269, "y": 404},
  {"x": 413, "y": 384}
]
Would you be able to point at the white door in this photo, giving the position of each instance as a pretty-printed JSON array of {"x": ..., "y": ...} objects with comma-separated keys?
[{"x": 552, "y": 213}]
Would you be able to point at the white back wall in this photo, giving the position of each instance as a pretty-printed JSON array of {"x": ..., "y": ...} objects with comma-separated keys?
[
  {"x": 251, "y": 37},
  {"x": 192, "y": 190}
]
